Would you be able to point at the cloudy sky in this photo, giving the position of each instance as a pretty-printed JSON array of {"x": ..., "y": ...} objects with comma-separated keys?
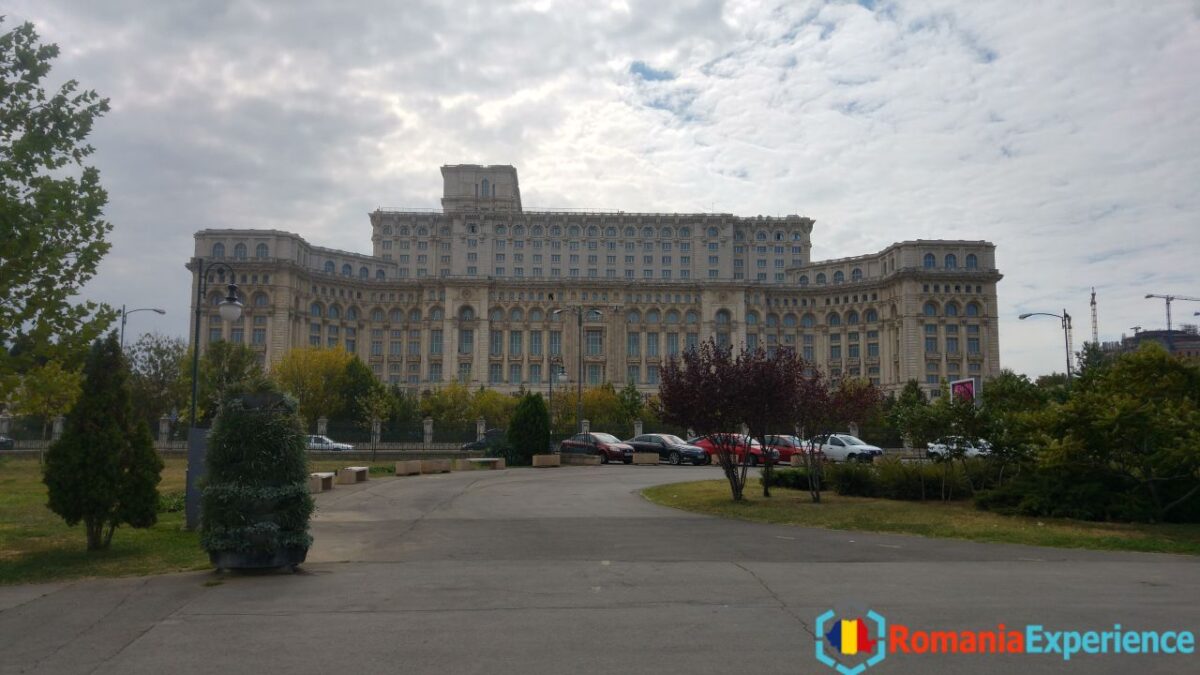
[{"x": 1068, "y": 133}]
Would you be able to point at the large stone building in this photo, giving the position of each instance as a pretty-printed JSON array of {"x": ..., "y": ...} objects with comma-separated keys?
[{"x": 470, "y": 293}]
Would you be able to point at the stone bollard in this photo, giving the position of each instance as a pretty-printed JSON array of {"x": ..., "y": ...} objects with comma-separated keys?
[
  {"x": 322, "y": 426},
  {"x": 637, "y": 427},
  {"x": 5, "y": 424},
  {"x": 56, "y": 432},
  {"x": 854, "y": 429},
  {"x": 428, "y": 424},
  {"x": 480, "y": 428},
  {"x": 587, "y": 426},
  {"x": 376, "y": 424},
  {"x": 164, "y": 429}
]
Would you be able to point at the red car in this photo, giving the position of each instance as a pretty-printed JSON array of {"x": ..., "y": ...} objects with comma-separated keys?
[
  {"x": 608, "y": 447},
  {"x": 739, "y": 450},
  {"x": 787, "y": 446}
]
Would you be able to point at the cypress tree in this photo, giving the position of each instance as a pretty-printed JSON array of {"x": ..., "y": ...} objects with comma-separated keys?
[
  {"x": 104, "y": 471},
  {"x": 529, "y": 430}
]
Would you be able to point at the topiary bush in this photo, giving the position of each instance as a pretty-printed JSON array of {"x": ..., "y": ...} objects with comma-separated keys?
[
  {"x": 255, "y": 503},
  {"x": 529, "y": 431},
  {"x": 853, "y": 479}
]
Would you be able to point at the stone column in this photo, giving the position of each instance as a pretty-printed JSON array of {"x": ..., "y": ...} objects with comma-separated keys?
[
  {"x": 637, "y": 427},
  {"x": 56, "y": 431},
  {"x": 164, "y": 429},
  {"x": 375, "y": 431},
  {"x": 854, "y": 428},
  {"x": 322, "y": 425},
  {"x": 480, "y": 425},
  {"x": 691, "y": 433},
  {"x": 587, "y": 425},
  {"x": 5, "y": 424},
  {"x": 428, "y": 423}
]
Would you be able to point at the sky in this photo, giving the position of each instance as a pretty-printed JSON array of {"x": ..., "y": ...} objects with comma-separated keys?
[{"x": 1067, "y": 133}]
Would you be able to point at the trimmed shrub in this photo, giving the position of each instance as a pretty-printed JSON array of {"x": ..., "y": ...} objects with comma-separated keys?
[
  {"x": 792, "y": 479},
  {"x": 1083, "y": 493},
  {"x": 256, "y": 498},
  {"x": 853, "y": 479},
  {"x": 528, "y": 431},
  {"x": 920, "y": 481}
]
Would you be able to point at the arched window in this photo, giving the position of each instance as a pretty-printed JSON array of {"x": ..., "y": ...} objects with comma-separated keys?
[
  {"x": 466, "y": 314},
  {"x": 380, "y": 275},
  {"x": 803, "y": 279},
  {"x": 260, "y": 251},
  {"x": 739, "y": 235},
  {"x": 751, "y": 318},
  {"x": 666, "y": 233},
  {"x": 335, "y": 312},
  {"x": 808, "y": 321},
  {"x": 951, "y": 261},
  {"x": 633, "y": 316},
  {"x": 820, "y": 278},
  {"x": 761, "y": 235},
  {"x": 630, "y": 232},
  {"x": 239, "y": 251},
  {"x": 779, "y": 236},
  {"x": 414, "y": 315},
  {"x": 852, "y": 318},
  {"x": 484, "y": 190},
  {"x": 329, "y": 267},
  {"x": 870, "y": 316},
  {"x": 517, "y": 314},
  {"x": 672, "y": 316},
  {"x": 856, "y": 274},
  {"x": 518, "y": 231},
  {"x": 722, "y": 317},
  {"x": 377, "y": 315},
  {"x": 314, "y": 310},
  {"x": 347, "y": 270},
  {"x": 387, "y": 229},
  {"x": 772, "y": 320},
  {"x": 352, "y": 314},
  {"x": 930, "y": 261},
  {"x": 647, "y": 232},
  {"x": 424, "y": 231},
  {"x": 713, "y": 232},
  {"x": 536, "y": 315},
  {"x": 685, "y": 232},
  {"x": 573, "y": 231},
  {"x": 930, "y": 309},
  {"x": 972, "y": 309},
  {"x": 838, "y": 277},
  {"x": 396, "y": 316},
  {"x": 833, "y": 319},
  {"x": 789, "y": 320},
  {"x": 501, "y": 230},
  {"x": 797, "y": 236},
  {"x": 364, "y": 273},
  {"x": 218, "y": 250},
  {"x": 653, "y": 316},
  {"x": 555, "y": 231},
  {"x": 972, "y": 261},
  {"x": 404, "y": 231},
  {"x": 691, "y": 317},
  {"x": 537, "y": 231},
  {"x": 261, "y": 300},
  {"x": 436, "y": 314},
  {"x": 951, "y": 309},
  {"x": 593, "y": 231}
]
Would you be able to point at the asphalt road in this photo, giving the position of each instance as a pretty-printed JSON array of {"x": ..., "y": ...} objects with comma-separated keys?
[{"x": 569, "y": 570}]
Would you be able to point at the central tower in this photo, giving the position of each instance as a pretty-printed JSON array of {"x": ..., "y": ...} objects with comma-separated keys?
[{"x": 473, "y": 187}]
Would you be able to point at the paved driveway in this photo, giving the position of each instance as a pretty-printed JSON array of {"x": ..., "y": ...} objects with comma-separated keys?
[{"x": 569, "y": 570}]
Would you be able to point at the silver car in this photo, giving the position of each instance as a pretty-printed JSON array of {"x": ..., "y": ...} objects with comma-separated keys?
[{"x": 328, "y": 444}]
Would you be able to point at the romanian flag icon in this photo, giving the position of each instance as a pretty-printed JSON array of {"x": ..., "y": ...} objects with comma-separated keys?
[{"x": 851, "y": 637}]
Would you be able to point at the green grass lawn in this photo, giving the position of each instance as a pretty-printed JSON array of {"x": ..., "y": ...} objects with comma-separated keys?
[
  {"x": 955, "y": 520},
  {"x": 36, "y": 545}
]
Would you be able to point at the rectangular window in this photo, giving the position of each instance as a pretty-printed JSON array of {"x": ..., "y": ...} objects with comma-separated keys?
[
  {"x": 595, "y": 373},
  {"x": 931, "y": 344},
  {"x": 435, "y": 372},
  {"x": 672, "y": 344},
  {"x": 435, "y": 342},
  {"x": 514, "y": 373},
  {"x": 633, "y": 374},
  {"x": 515, "y": 340},
  {"x": 652, "y": 344},
  {"x": 634, "y": 345},
  {"x": 555, "y": 343},
  {"x": 395, "y": 348},
  {"x": 495, "y": 373},
  {"x": 692, "y": 341},
  {"x": 376, "y": 347},
  {"x": 464, "y": 372},
  {"x": 496, "y": 341},
  {"x": 535, "y": 373},
  {"x": 972, "y": 345},
  {"x": 835, "y": 351},
  {"x": 852, "y": 350},
  {"x": 752, "y": 341},
  {"x": 651, "y": 374},
  {"x": 951, "y": 345},
  {"x": 535, "y": 347},
  {"x": 236, "y": 333},
  {"x": 260, "y": 336},
  {"x": 595, "y": 342},
  {"x": 466, "y": 341},
  {"x": 873, "y": 349}
]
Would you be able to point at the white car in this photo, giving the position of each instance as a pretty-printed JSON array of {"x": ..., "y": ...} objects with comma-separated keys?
[
  {"x": 327, "y": 443},
  {"x": 955, "y": 445},
  {"x": 847, "y": 448}
]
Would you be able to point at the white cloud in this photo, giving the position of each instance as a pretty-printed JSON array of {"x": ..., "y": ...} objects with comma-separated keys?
[{"x": 1064, "y": 133}]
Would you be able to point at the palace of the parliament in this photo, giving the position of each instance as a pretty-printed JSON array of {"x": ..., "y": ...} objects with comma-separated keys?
[{"x": 469, "y": 294}]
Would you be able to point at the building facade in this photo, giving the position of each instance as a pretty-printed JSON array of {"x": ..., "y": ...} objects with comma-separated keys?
[{"x": 485, "y": 293}]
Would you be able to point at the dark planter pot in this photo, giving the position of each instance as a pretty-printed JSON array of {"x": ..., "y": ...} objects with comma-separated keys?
[{"x": 242, "y": 560}]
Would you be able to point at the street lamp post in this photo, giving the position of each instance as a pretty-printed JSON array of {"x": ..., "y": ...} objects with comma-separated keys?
[
  {"x": 579, "y": 310},
  {"x": 230, "y": 310},
  {"x": 125, "y": 314},
  {"x": 1066, "y": 326}
]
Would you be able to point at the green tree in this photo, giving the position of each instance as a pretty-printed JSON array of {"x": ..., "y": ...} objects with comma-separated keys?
[
  {"x": 47, "y": 392},
  {"x": 313, "y": 377},
  {"x": 449, "y": 406},
  {"x": 631, "y": 404},
  {"x": 603, "y": 410},
  {"x": 529, "y": 431},
  {"x": 159, "y": 385},
  {"x": 359, "y": 385},
  {"x": 51, "y": 229},
  {"x": 222, "y": 366},
  {"x": 494, "y": 407},
  {"x": 910, "y": 416},
  {"x": 104, "y": 470}
]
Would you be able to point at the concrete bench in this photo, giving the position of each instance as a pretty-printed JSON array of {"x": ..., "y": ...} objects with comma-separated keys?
[
  {"x": 435, "y": 466},
  {"x": 409, "y": 467},
  {"x": 547, "y": 460},
  {"x": 645, "y": 458},
  {"x": 473, "y": 463},
  {"x": 320, "y": 481},
  {"x": 353, "y": 474},
  {"x": 571, "y": 459}
]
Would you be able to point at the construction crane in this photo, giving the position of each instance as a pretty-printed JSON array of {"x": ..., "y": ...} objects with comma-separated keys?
[
  {"x": 1169, "y": 299},
  {"x": 1095, "y": 330}
]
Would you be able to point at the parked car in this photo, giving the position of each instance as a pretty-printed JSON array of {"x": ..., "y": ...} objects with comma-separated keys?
[
  {"x": 491, "y": 439},
  {"x": 608, "y": 447},
  {"x": 949, "y": 446},
  {"x": 671, "y": 448},
  {"x": 787, "y": 446},
  {"x": 328, "y": 444},
  {"x": 7, "y": 443},
  {"x": 739, "y": 450},
  {"x": 847, "y": 448}
]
